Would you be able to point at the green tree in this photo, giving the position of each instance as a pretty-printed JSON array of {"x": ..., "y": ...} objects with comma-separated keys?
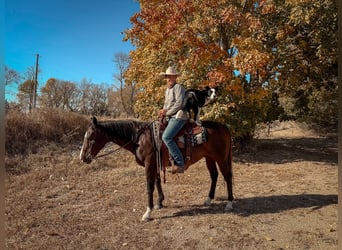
[{"x": 303, "y": 38}]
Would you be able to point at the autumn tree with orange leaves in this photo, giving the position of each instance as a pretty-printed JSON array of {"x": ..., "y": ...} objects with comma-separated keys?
[{"x": 238, "y": 45}]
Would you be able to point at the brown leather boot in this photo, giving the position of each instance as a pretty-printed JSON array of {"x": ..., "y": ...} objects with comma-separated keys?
[{"x": 176, "y": 170}]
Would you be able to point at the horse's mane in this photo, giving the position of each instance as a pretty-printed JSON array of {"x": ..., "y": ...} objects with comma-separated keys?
[{"x": 123, "y": 128}]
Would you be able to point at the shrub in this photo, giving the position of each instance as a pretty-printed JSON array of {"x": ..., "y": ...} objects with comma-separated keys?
[{"x": 24, "y": 130}]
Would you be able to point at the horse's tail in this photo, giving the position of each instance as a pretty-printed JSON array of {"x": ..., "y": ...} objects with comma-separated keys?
[
  {"x": 230, "y": 156},
  {"x": 230, "y": 173}
]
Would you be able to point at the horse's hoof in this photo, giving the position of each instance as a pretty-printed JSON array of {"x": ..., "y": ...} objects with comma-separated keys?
[
  {"x": 160, "y": 206},
  {"x": 229, "y": 206},
  {"x": 147, "y": 215},
  {"x": 207, "y": 202},
  {"x": 146, "y": 219}
]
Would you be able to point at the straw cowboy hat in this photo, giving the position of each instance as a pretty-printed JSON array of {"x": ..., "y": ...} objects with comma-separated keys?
[{"x": 169, "y": 72}]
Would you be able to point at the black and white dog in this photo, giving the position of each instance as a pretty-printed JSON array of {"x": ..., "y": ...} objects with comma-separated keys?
[{"x": 195, "y": 99}]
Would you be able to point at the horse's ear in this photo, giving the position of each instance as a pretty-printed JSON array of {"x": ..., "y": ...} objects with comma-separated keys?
[{"x": 93, "y": 121}]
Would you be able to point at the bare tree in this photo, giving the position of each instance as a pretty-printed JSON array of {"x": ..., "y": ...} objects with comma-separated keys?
[
  {"x": 59, "y": 94},
  {"x": 122, "y": 61},
  {"x": 68, "y": 89},
  {"x": 85, "y": 89},
  {"x": 93, "y": 98},
  {"x": 11, "y": 76}
]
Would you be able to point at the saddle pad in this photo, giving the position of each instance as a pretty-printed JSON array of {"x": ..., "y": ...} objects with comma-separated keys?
[{"x": 198, "y": 136}]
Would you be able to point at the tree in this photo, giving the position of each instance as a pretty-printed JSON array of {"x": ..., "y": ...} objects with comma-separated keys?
[
  {"x": 248, "y": 48},
  {"x": 11, "y": 76},
  {"x": 93, "y": 98},
  {"x": 98, "y": 99},
  {"x": 305, "y": 43},
  {"x": 209, "y": 41},
  {"x": 59, "y": 94},
  {"x": 25, "y": 94},
  {"x": 50, "y": 94},
  {"x": 68, "y": 92},
  {"x": 127, "y": 90}
]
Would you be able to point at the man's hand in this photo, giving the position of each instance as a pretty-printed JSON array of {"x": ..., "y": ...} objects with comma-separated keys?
[{"x": 162, "y": 112}]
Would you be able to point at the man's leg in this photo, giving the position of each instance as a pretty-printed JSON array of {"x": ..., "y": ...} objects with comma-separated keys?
[{"x": 172, "y": 129}]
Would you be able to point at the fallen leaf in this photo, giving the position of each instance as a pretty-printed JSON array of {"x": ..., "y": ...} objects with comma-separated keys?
[{"x": 269, "y": 238}]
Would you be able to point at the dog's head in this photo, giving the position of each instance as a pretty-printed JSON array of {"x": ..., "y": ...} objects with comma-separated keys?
[{"x": 211, "y": 92}]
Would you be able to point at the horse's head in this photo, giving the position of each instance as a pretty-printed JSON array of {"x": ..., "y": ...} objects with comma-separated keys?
[{"x": 94, "y": 141}]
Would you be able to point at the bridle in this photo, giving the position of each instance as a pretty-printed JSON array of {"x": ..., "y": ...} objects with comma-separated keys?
[{"x": 88, "y": 154}]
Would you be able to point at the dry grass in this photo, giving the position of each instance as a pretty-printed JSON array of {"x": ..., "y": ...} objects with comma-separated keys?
[
  {"x": 285, "y": 191},
  {"x": 25, "y": 132}
]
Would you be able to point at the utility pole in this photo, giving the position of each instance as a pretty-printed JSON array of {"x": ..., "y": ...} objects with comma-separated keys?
[{"x": 35, "y": 83}]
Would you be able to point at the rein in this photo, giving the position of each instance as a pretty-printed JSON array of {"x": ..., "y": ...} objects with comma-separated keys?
[
  {"x": 112, "y": 151},
  {"x": 120, "y": 147}
]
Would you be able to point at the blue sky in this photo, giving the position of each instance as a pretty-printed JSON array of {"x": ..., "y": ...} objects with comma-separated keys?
[{"x": 75, "y": 39}]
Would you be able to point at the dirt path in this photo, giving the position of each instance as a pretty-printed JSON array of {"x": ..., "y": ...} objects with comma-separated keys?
[{"x": 285, "y": 198}]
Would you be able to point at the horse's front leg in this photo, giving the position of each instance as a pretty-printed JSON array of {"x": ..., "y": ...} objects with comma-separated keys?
[
  {"x": 150, "y": 181},
  {"x": 160, "y": 193},
  {"x": 150, "y": 190}
]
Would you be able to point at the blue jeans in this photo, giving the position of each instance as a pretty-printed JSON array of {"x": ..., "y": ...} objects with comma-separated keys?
[{"x": 173, "y": 127}]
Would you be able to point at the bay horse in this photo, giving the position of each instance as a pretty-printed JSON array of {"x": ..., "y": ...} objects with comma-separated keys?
[{"x": 137, "y": 137}]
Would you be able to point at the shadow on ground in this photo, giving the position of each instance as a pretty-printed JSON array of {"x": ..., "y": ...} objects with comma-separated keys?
[
  {"x": 261, "y": 205},
  {"x": 279, "y": 151}
]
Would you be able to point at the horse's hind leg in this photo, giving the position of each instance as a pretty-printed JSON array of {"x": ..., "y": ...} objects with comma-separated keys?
[
  {"x": 160, "y": 193},
  {"x": 227, "y": 172},
  {"x": 211, "y": 165}
]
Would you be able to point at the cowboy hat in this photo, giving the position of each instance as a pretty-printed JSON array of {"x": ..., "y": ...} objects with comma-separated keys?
[{"x": 169, "y": 72}]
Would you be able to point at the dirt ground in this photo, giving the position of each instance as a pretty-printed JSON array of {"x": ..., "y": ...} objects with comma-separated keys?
[{"x": 285, "y": 191}]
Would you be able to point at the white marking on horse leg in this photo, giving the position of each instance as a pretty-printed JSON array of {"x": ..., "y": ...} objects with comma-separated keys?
[
  {"x": 147, "y": 214},
  {"x": 208, "y": 201},
  {"x": 229, "y": 206},
  {"x": 81, "y": 153}
]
